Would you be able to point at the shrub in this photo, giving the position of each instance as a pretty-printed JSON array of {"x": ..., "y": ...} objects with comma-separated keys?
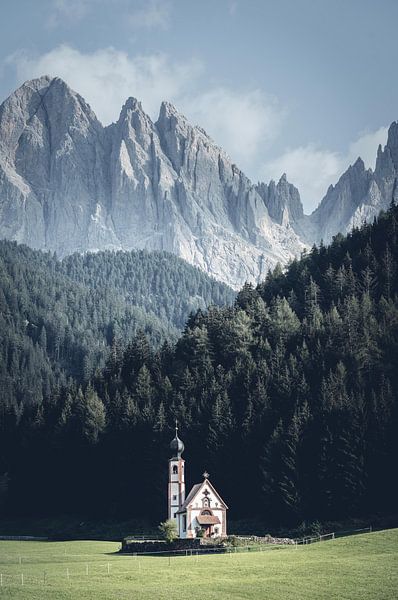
[
  {"x": 168, "y": 529},
  {"x": 199, "y": 532}
]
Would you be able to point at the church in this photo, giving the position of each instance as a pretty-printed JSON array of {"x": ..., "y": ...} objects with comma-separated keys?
[{"x": 203, "y": 508}]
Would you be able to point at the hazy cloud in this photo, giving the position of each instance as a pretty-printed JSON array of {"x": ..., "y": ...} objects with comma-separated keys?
[
  {"x": 309, "y": 168},
  {"x": 366, "y": 146},
  {"x": 233, "y": 7},
  {"x": 151, "y": 14},
  {"x": 107, "y": 77},
  {"x": 312, "y": 169},
  {"x": 240, "y": 121},
  {"x": 62, "y": 11},
  {"x": 243, "y": 122}
]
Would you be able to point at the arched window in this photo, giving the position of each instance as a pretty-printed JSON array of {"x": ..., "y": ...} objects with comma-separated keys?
[
  {"x": 205, "y": 502},
  {"x": 175, "y": 470},
  {"x": 206, "y": 512}
]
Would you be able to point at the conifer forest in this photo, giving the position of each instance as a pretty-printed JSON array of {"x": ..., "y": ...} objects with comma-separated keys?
[{"x": 286, "y": 392}]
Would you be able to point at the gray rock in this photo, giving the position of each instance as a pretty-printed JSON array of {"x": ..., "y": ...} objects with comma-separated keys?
[
  {"x": 68, "y": 184},
  {"x": 358, "y": 197}
]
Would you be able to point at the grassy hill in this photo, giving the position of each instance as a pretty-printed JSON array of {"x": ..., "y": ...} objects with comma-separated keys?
[{"x": 363, "y": 567}]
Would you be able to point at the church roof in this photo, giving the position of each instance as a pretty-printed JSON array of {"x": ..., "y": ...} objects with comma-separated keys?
[
  {"x": 208, "y": 520},
  {"x": 190, "y": 496},
  {"x": 195, "y": 490}
]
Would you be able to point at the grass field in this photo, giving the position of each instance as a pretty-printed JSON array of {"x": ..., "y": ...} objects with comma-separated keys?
[{"x": 363, "y": 567}]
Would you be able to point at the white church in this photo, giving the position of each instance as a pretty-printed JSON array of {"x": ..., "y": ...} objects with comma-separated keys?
[{"x": 203, "y": 508}]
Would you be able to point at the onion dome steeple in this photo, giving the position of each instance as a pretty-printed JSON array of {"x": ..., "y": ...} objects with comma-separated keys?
[{"x": 176, "y": 445}]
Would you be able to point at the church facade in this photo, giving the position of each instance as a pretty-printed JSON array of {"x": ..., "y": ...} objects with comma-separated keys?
[{"x": 203, "y": 510}]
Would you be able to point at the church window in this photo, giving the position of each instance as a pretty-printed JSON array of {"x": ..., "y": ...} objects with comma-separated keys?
[
  {"x": 175, "y": 470},
  {"x": 174, "y": 497},
  {"x": 206, "y": 512},
  {"x": 216, "y": 530},
  {"x": 206, "y": 502},
  {"x": 184, "y": 522}
]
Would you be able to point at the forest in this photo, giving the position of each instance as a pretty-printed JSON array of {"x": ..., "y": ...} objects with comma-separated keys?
[
  {"x": 58, "y": 318},
  {"x": 287, "y": 396}
]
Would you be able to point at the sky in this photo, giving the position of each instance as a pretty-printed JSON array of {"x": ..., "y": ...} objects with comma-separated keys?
[{"x": 296, "y": 86}]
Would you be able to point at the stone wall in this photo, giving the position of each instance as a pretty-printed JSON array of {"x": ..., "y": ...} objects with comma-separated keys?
[{"x": 133, "y": 546}]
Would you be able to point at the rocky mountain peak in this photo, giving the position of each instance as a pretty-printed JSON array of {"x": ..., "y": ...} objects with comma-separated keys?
[
  {"x": 282, "y": 200},
  {"x": 69, "y": 184},
  {"x": 392, "y": 142},
  {"x": 358, "y": 165}
]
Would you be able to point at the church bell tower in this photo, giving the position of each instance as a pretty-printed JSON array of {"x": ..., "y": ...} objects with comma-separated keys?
[{"x": 176, "y": 496}]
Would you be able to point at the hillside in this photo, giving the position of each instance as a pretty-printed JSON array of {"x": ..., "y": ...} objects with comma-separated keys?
[
  {"x": 294, "y": 386},
  {"x": 59, "y": 319},
  {"x": 362, "y": 567}
]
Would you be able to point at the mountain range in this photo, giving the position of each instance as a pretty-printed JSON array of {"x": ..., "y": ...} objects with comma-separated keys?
[{"x": 68, "y": 184}]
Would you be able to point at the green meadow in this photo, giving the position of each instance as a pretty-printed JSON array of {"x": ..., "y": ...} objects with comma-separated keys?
[{"x": 362, "y": 567}]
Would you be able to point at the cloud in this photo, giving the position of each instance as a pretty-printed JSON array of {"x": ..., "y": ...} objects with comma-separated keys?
[
  {"x": 243, "y": 122},
  {"x": 146, "y": 14},
  {"x": 69, "y": 11},
  {"x": 312, "y": 169},
  {"x": 366, "y": 146},
  {"x": 151, "y": 15},
  {"x": 107, "y": 77},
  {"x": 233, "y": 8}
]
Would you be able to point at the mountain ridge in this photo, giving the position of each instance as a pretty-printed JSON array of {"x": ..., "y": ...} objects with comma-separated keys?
[{"x": 68, "y": 184}]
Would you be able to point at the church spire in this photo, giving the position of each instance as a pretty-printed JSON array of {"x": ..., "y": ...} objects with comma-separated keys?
[
  {"x": 176, "y": 479},
  {"x": 176, "y": 445}
]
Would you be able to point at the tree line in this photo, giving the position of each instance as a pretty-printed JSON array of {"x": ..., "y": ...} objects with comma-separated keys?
[
  {"x": 58, "y": 318},
  {"x": 288, "y": 398}
]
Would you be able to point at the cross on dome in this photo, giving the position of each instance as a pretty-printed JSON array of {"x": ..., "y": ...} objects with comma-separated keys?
[{"x": 176, "y": 444}]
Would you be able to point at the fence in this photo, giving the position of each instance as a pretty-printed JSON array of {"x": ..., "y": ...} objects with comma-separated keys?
[
  {"x": 78, "y": 572},
  {"x": 23, "y": 538},
  {"x": 331, "y": 536}
]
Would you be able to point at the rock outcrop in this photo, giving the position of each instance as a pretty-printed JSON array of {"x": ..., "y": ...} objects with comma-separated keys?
[
  {"x": 69, "y": 184},
  {"x": 358, "y": 196}
]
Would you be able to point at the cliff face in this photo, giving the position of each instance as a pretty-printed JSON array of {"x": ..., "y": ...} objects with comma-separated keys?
[
  {"x": 282, "y": 201},
  {"x": 69, "y": 184},
  {"x": 358, "y": 196}
]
